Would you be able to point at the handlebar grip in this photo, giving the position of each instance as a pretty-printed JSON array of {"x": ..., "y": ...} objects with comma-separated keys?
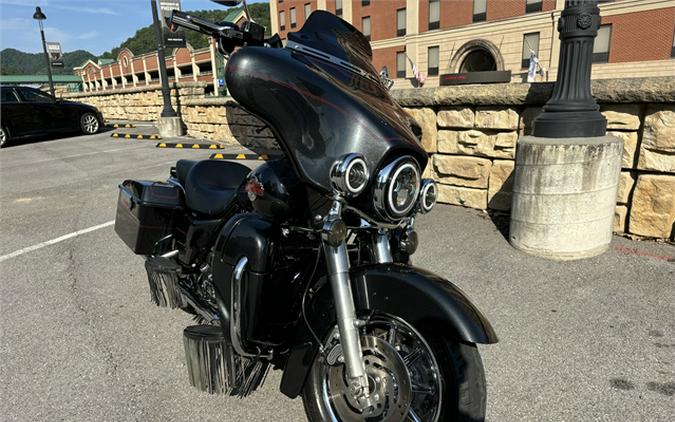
[{"x": 198, "y": 24}]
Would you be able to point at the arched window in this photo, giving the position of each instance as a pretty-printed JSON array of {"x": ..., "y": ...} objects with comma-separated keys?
[
  {"x": 479, "y": 55},
  {"x": 478, "y": 60}
]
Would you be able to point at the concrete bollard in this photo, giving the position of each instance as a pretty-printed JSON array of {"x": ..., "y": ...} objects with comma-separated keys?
[
  {"x": 567, "y": 174},
  {"x": 564, "y": 196},
  {"x": 170, "y": 127}
]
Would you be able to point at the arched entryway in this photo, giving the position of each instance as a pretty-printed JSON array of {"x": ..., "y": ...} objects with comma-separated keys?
[{"x": 477, "y": 56}]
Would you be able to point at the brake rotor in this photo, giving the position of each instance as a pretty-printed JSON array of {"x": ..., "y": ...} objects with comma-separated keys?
[{"x": 388, "y": 380}]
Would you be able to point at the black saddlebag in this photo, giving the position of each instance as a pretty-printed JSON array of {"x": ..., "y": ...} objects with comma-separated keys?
[{"x": 145, "y": 214}]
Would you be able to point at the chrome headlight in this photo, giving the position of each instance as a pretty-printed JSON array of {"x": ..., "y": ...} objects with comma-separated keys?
[
  {"x": 397, "y": 188},
  {"x": 349, "y": 175},
  {"x": 428, "y": 194}
]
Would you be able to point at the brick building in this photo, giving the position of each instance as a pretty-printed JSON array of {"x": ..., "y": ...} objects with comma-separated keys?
[
  {"x": 183, "y": 65},
  {"x": 637, "y": 37}
]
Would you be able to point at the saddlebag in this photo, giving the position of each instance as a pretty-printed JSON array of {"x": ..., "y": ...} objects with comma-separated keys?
[{"x": 145, "y": 214}]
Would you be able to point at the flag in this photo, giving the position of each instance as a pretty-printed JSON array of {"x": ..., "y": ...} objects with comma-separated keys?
[
  {"x": 532, "y": 70},
  {"x": 418, "y": 75}
]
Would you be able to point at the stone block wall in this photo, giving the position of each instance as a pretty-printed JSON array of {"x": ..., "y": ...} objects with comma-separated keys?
[
  {"x": 222, "y": 120},
  {"x": 142, "y": 103},
  {"x": 471, "y": 133}
]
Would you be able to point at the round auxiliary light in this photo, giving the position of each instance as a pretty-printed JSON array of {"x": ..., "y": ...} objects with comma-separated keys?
[
  {"x": 349, "y": 175},
  {"x": 397, "y": 188},
  {"x": 428, "y": 194}
]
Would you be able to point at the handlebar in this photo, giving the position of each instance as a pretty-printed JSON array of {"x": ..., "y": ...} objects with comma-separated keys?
[{"x": 228, "y": 34}]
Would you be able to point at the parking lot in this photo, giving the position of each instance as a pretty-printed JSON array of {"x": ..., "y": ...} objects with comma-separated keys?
[{"x": 80, "y": 340}]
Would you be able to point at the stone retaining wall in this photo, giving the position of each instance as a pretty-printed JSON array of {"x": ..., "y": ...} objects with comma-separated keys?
[
  {"x": 142, "y": 103},
  {"x": 471, "y": 135}
]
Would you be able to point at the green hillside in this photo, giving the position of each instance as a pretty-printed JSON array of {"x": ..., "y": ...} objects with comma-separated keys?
[{"x": 15, "y": 62}]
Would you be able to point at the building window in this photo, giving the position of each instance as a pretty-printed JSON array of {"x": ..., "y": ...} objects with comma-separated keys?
[
  {"x": 400, "y": 22},
  {"x": 601, "y": 44},
  {"x": 533, "y": 6},
  {"x": 530, "y": 43},
  {"x": 294, "y": 18},
  {"x": 365, "y": 26},
  {"x": 434, "y": 14},
  {"x": 479, "y": 10},
  {"x": 282, "y": 20},
  {"x": 672, "y": 50},
  {"x": 432, "y": 61},
  {"x": 308, "y": 10},
  {"x": 338, "y": 7},
  {"x": 365, "y": 2},
  {"x": 400, "y": 64}
]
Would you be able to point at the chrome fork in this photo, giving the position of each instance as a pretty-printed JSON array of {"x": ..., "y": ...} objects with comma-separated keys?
[{"x": 337, "y": 259}]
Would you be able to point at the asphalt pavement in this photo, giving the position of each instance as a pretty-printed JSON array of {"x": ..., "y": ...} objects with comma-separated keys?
[{"x": 590, "y": 340}]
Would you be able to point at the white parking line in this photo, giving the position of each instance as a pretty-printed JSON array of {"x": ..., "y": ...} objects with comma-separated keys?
[{"x": 54, "y": 241}]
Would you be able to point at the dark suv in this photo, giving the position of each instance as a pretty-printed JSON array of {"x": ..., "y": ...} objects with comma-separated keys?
[{"x": 28, "y": 112}]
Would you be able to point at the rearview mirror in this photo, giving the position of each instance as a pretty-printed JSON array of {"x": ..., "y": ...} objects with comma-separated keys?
[{"x": 228, "y": 3}]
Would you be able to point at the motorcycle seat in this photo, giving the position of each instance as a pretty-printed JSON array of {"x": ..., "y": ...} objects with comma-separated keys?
[
  {"x": 211, "y": 186},
  {"x": 182, "y": 169}
]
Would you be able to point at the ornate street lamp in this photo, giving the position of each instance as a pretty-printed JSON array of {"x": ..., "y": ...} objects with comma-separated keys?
[{"x": 39, "y": 16}]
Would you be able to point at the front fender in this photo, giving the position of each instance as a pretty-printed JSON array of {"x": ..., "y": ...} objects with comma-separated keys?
[{"x": 420, "y": 297}]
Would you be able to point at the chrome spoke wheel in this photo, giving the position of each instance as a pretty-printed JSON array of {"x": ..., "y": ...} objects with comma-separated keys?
[
  {"x": 404, "y": 378},
  {"x": 89, "y": 124},
  {"x": 3, "y": 136}
]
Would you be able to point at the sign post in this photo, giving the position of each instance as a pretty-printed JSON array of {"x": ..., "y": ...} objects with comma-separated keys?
[
  {"x": 55, "y": 54},
  {"x": 173, "y": 36},
  {"x": 169, "y": 124}
]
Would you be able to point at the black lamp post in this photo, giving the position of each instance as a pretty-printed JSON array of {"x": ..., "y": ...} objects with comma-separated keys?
[
  {"x": 572, "y": 111},
  {"x": 168, "y": 110},
  {"x": 39, "y": 16}
]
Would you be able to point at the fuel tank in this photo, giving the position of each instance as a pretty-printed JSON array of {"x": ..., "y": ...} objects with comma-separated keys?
[{"x": 274, "y": 191}]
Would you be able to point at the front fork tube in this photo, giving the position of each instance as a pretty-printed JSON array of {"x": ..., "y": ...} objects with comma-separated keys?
[{"x": 337, "y": 260}]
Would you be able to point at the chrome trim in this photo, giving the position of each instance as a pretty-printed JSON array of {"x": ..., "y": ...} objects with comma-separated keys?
[
  {"x": 332, "y": 59},
  {"x": 235, "y": 311},
  {"x": 337, "y": 262},
  {"x": 383, "y": 194},
  {"x": 381, "y": 247},
  {"x": 209, "y": 316},
  {"x": 170, "y": 254},
  {"x": 427, "y": 186},
  {"x": 339, "y": 174}
]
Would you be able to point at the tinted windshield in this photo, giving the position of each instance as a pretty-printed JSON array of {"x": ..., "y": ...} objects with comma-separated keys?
[{"x": 325, "y": 32}]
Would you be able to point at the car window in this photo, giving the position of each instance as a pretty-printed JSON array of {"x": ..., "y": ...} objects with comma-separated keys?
[
  {"x": 7, "y": 95},
  {"x": 35, "y": 96}
]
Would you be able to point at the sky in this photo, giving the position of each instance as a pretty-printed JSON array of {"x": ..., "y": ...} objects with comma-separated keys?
[{"x": 93, "y": 25}]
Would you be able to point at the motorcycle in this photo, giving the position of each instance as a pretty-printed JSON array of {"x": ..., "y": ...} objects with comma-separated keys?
[{"x": 303, "y": 264}]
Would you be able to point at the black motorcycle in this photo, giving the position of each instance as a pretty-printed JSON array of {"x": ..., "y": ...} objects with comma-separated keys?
[{"x": 303, "y": 263}]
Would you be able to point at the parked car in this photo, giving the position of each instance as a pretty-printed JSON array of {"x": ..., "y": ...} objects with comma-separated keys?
[{"x": 28, "y": 111}]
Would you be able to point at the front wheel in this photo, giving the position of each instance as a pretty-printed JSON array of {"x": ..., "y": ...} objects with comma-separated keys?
[
  {"x": 89, "y": 124},
  {"x": 412, "y": 377}
]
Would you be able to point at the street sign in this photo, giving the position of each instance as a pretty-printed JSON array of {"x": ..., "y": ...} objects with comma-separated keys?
[
  {"x": 174, "y": 37},
  {"x": 55, "y": 54}
]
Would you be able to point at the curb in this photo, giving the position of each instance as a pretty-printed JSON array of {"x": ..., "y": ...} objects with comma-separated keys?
[
  {"x": 134, "y": 136},
  {"x": 188, "y": 146},
  {"x": 117, "y": 125},
  {"x": 239, "y": 157}
]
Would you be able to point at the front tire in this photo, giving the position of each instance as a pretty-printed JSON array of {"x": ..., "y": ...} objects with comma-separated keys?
[
  {"x": 443, "y": 379},
  {"x": 89, "y": 124}
]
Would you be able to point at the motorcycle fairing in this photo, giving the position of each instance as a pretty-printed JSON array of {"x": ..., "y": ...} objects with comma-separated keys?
[
  {"x": 418, "y": 296},
  {"x": 318, "y": 109}
]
